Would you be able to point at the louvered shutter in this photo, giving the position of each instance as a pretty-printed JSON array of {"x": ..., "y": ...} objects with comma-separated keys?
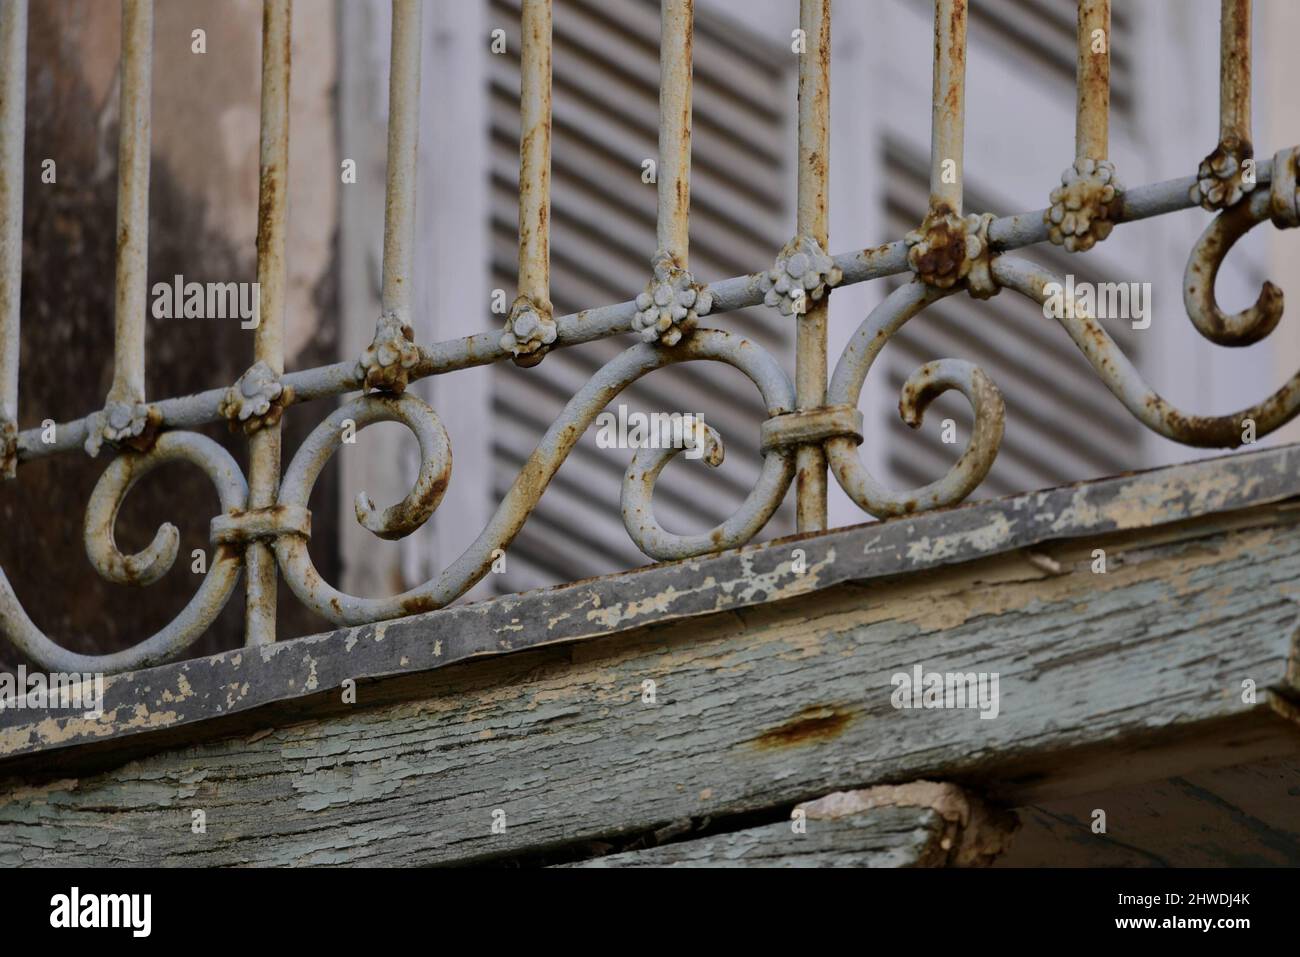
[
  {"x": 605, "y": 123},
  {"x": 1061, "y": 423}
]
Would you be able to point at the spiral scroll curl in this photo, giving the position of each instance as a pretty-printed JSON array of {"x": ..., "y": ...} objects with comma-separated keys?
[
  {"x": 144, "y": 567},
  {"x": 392, "y": 523},
  {"x": 1123, "y": 380},
  {"x": 1252, "y": 324},
  {"x": 746, "y": 522},
  {"x": 518, "y": 503},
  {"x": 922, "y": 387}
]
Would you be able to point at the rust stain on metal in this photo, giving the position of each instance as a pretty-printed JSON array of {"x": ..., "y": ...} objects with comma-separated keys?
[
  {"x": 677, "y": 24},
  {"x": 1092, "y": 119},
  {"x": 149, "y": 436},
  {"x": 8, "y": 448},
  {"x": 268, "y": 337},
  {"x": 812, "y": 228},
  {"x": 1221, "y": 181},
  {"x": 1234, "y": 71},
  {"x": 938, "y": 248},
  {"x": 530, "y": 328},
  {"x": 949, "y": 105},
  {"x": 1251, "y": 324},
  {"x": 535, "y": 152},
  {"x": 268, "y": 210}
]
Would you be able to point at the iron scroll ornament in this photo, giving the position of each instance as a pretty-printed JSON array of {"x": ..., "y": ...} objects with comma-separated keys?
[
  {"x": 581, "y": 410},
  {"x": 146, "y": 566}
]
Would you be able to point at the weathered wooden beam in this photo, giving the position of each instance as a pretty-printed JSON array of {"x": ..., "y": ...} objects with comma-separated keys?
[
  {"x": 922, "y": 824},
  {"x": 1105, "y": 679},
  {"x": 302, "y": 676}
]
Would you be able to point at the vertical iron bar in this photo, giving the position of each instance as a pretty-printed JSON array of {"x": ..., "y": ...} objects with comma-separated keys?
[
  {"x": 674, "y": 175},
  {"x": 268, "y": 342},
  {"x": 814, "y": 162},
  {"x": 947, "y": 121},
  {"x": 13, "y": 103},
  {"x": 1091, "y": 133},
  {"x": 1234, "y": 73},
  {"x": 403, "y": 147},
  {"x": 133, "y": 152},
  {"x": 535, "y": 153}
]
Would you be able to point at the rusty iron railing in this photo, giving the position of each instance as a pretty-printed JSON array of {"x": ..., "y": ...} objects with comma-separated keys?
[{"x": 812, "y": 425}]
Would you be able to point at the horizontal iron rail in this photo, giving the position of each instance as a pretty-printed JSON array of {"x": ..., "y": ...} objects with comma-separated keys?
[{"x": 740, "y": 292}]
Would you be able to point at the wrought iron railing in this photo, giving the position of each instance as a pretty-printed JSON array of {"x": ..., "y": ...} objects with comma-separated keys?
[{"x": 812, "y": 424}]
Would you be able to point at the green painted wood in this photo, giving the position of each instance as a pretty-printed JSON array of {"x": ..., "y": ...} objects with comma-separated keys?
[
  {"x": 922, "y": 824},
  {"x": 889, "y": 837},
  {"x": 1131, "y": 675}
]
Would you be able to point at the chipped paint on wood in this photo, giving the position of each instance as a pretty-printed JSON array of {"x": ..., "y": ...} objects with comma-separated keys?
[
  {"x": 150, "y": 700},
  {"x": 922, "y": 824},
  {"x": 767, "y": 706}
]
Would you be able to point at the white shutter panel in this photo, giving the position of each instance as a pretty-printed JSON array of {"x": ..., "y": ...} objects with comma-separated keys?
[{"x": 605, "y": 123}]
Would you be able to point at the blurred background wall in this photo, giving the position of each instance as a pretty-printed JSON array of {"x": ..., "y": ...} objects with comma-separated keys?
[
  {"x": 203, "y": 225},
  {"x": 1062, "y": 425}
]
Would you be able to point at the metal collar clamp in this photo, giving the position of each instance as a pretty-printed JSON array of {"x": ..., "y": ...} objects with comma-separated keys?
[{"x": 811, "y": 427}]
